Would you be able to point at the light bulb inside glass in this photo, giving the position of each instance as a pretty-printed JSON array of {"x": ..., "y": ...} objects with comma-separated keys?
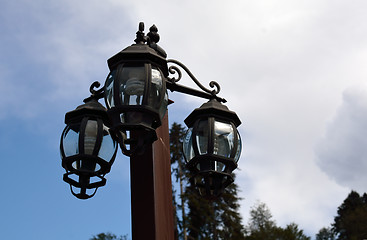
[{"x": 90, "y": 136}]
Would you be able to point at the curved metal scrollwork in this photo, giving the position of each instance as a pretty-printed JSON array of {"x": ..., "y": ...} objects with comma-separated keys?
[
  {"x": 95, "y": 84},
  {"x": 176, "y": 70},
  {"x": 95, "y": 93}
]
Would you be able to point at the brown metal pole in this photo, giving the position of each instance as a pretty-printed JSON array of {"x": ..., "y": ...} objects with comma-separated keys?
[{"x": 151, "y": 190}]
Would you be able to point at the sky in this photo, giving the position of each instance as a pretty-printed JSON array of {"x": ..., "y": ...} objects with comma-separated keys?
[{"x": 294, "y": 72}]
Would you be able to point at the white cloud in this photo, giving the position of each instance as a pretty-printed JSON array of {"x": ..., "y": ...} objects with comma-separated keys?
[{"x": 342, "y": 152}]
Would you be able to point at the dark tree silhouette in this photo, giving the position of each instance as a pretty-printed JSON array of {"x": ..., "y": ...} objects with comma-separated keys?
[
  {"x": 108, "y": 236},
  {"x": 261, "y": 226},
  {"x": 325, "y": 234},
  {"x": 351, "y": 221}
]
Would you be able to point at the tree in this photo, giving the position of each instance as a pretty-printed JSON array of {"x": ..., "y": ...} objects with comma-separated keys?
[
  {"x": 214, "y": 219},
  {"x": 291, "y": 232},
  {"x": 108, "y": 236},
  {"x": 351, "y": 221},
  {"x": 202, "y": 219},
  {"x": 177, "y": 133},
  {"x": 325, "y": 234},
  {"x": 228, "y": 209},
  {"x": 261, "y": 226},
  {"x": 260, "y": 218}
]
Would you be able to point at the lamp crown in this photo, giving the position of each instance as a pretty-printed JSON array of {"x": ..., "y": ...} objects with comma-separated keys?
[
  {"x": 141, "y": 52},
  {"x": 213, "y": 108},
  {"x": 90, "y": 108}
]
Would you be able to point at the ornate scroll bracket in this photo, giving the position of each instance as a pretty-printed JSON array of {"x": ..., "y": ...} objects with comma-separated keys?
[
  {"x": 95, "y": 93},
  {"x": 173, "y": 86}
]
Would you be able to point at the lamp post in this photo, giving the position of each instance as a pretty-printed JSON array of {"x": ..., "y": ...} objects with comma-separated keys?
[{"x": 135, "y": 118}]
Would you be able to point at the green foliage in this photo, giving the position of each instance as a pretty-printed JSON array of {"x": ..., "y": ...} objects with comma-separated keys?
[
  {"x": 262, "y": 227},
  {"x": 214, "y": 219},
  {"x": 351, "y": 221},
  {"x": 291, "y": 232},
  {"x": 177, "y": 133},
  {"x": 108, "y": 236},
  {"x": 325, "y": 234},
  {"x": 260, "y": 218}
]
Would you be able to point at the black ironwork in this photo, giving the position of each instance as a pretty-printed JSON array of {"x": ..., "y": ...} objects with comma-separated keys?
[
  {"x": 140, "y": 36},
  {"x": 125, "y": 119},
  {"x": 95, "y": 94},
  {"x": 174, "y": 69},
  {"x": 205, "y": 93}
]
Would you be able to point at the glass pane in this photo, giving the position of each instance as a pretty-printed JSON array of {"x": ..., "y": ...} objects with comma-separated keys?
[
  {"x": 157, "y": 98},
  {"x": 164, "y": 105},
  {"x": 156, "y": 78},
  {"x": 132, "y": 84},
  {"x": 90, "y": 136},
  {"x": 109, "y": 90},
  {"x": 71, "y": 140},
  {"x": 76, "y": 164},
  {"x": 187, "y": 145},
  {"x": 211, "y": 165},
  {"x": 239, "y": 148},
  {"x": 136, "y": 118},
  {"x": 202, "y": 135},
  {"x": 223, "y": 139},
  {"x": 108, "y": 146},
  {"x": 219, "y": 166}
]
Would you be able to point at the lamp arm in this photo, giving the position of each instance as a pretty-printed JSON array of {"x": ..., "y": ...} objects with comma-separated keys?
[{"x": 173, "y": 86}]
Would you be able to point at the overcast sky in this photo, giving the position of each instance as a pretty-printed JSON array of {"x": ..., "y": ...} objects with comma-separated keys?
[{"x": 294, "y": 71}]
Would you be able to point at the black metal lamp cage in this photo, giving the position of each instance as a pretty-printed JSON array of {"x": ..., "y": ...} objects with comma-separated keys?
[
  {"x": 212, "y": 147},
  {"x": 87, "y": 148},
  {"x": 135, "y": 90}
]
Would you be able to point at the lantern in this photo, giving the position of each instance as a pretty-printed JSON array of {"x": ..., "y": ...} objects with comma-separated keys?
[
  {"x": 135, "y": 90},
  {"x": 87, "y": 148},
  {"x": 212, "y": 147}
]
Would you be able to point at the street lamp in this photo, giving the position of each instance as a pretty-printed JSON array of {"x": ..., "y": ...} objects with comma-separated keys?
[
  {"x": 212, "y": 147},
  {"x": 135, "y": 94},
  {"x": 135, "y": 91},
  {"x": 87, "y": 149}
]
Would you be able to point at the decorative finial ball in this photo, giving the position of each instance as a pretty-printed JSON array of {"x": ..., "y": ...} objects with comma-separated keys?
[{"x": 153, "y": 34}]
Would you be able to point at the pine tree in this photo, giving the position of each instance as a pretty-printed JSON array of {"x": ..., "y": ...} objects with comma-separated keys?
[
  {"x": 351, "y": 221},
  {"x": 202, "y": 219},
  {"x": 325, "y": 234},
  {"x": 292, "y": 232},
  {"x": 108, "y": 236},
  {"x": 261, "y": 226},
  {"x": 177, "y": 133},
  {"x": 214, "y": 219}
]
